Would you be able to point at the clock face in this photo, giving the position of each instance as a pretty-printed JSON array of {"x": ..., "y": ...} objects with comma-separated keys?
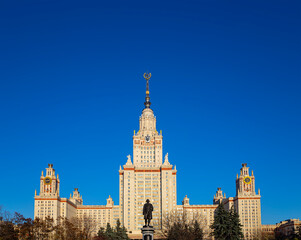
[
  {"x": 47, "y": 180},
  {"x": 247, "y": 180},
  {"x": 147, "y": 138}
]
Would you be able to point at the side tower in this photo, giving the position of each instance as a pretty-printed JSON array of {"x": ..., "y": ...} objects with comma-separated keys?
[
  {"x": 49, "y": 184},
  {"x": 219, "y": 197},
  {"x": 146, "y": 177},
  {"x": 247, "y": 203},
  {"x": 47, "y": 203}
]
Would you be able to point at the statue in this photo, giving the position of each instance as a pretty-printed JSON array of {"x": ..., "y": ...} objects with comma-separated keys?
[
  {"x": 147, "y": 212},
  {"x": 129, "y": 161}
]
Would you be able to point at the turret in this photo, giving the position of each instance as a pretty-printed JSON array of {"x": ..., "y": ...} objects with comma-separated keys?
[
  {"x": 76, "y": 198},
  {"x": 185, "y": 201},
  {"x": 245, "y": 184},
  {"x": 49, "y": 184},
  {"x": 218, "y": 197},
  {"x": 110, "y": 202}
]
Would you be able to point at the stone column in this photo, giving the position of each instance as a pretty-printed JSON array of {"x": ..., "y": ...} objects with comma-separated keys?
[{"x": 147, "y": 233}]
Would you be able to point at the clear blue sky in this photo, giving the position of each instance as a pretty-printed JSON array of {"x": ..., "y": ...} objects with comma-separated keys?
[{"x": 225, "y": 90}]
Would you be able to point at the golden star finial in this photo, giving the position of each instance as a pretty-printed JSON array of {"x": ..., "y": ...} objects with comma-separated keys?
[{"x": 147, "y": 76}]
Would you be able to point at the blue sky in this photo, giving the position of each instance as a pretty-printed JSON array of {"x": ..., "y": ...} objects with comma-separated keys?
[{"x": 225, "y": 88}]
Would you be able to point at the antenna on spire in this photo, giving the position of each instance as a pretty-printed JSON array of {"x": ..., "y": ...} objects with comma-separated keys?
[{"x": 147, "y": 102}]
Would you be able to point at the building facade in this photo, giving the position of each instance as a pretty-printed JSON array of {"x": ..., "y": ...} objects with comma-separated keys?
[
  {"x": 146, "y": 175},
  {"x": 268, "y": 231},
  {"x": 246, "y": 203},
  {"x": 287, "y": 228}
]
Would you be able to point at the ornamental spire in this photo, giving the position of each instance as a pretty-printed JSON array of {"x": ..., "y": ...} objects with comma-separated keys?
[{"x": 147, "y": 102}]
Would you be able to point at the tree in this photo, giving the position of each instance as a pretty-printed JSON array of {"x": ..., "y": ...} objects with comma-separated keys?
[
  {"x": 101, "y": 234},
  {"x": 197, "y": 231},
  {"x": 7, "y": 231},
  {"x": 177, "y": 232},
  {"x": 24, "y": 226},
  {"x": 67, "y": 229},
  {"x": 109, "y": 233},
  {"x": 185, "y": 231},
  {"x": 183, "y": 226},
  {"x": 235, "y": 225},
  {"x": 120, "y": 231},
  {"x": 264, "y": 235},
  {"x": 86, "y": 225},
  {"x": 18, "y": 227},
  {"x": 226, "y": 225},
  {"x": 220, "y": 224},
  {"x": 43, "y": 229},
  {"x": 117, "y": 233},
  {"x": 299, "y": 233}
]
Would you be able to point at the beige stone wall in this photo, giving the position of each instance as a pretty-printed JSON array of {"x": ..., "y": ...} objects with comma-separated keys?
[
  {"x": 146, "y": 184},
  {"x": 250, "y": 216},
  {"x": 96, "y": 216},
  {"x": 46, "y": 207}
]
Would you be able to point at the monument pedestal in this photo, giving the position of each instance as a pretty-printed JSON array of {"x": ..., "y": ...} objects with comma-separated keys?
[{"x": 147, "y": 233}]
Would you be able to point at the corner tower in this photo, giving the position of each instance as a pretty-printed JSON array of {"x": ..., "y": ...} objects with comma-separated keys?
[
  {"x": 47, "y": 202},
  {"x": 247, "y": 203}
]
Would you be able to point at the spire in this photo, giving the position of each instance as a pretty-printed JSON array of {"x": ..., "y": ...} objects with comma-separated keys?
[{"x": 147, "y": 102}]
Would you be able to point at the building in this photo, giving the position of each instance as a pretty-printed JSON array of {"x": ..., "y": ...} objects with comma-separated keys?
[
  {"x": 288, "y": 227},
  {"x": 146, "y": 175},
  {"x": 268, "y": 231},
  {"x": 49, "y": 203},
  {"x": 246, "y": 203},
  {"x": 283, "y": 230}
]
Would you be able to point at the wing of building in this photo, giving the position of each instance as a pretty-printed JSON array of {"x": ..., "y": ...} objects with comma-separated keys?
[{"x": 146, "y": 175}]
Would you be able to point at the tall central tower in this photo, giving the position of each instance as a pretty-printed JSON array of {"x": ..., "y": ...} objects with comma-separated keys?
[
  {"x": 147, "y": 141},
  {"x": 146, "y": 177}
]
